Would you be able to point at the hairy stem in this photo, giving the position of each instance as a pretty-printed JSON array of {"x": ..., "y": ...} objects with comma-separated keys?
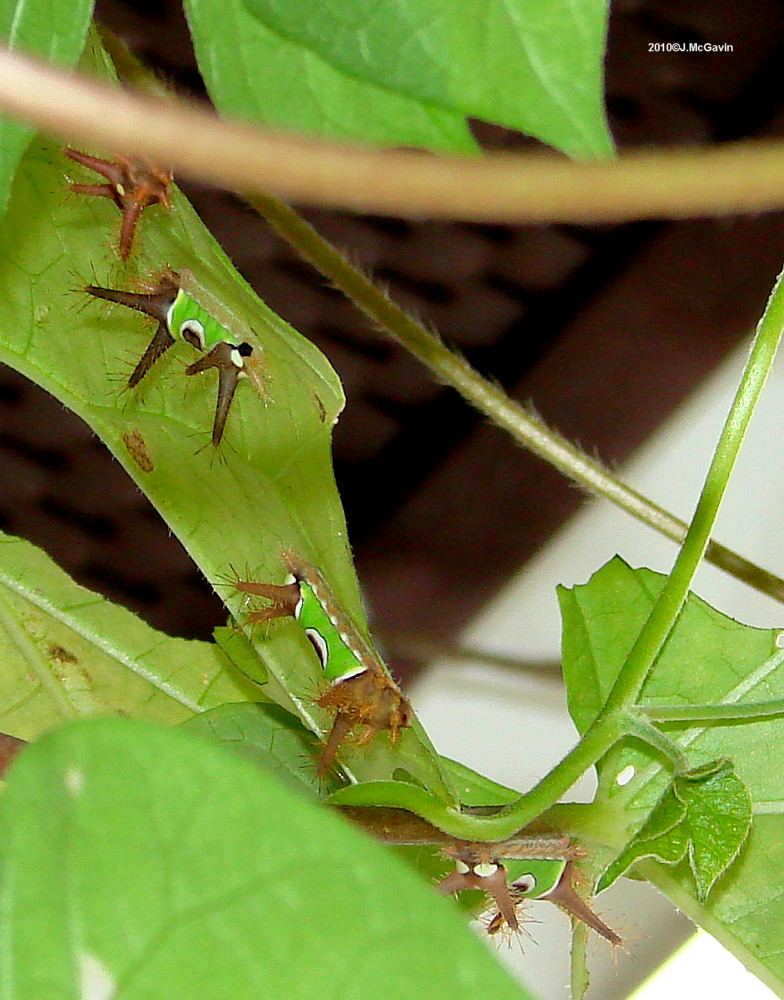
[
  {"x": 637, "y": 725},
  {"x": 521, "y": 423},
  {"x": 595, "y": 743}
]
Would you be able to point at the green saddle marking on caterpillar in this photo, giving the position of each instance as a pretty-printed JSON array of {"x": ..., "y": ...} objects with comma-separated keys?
[
  {"x": 187, "y": 311},
  {"x": 361, "y": 691}
]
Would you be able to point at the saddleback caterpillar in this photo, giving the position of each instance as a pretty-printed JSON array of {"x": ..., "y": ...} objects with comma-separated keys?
[
  {"x": 186, "y": 311},
  {"x": 361, "y": 692}
]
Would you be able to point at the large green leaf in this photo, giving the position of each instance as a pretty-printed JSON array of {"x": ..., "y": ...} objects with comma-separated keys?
[
  {"x": 272, "y": 737},
  {"x": 271, "y": 484},
  {"x": 144, "y": 862},
  {"x": 533, "y": 65},
  {"x": 253, "y": 72},
  {"x": 708, "y": 659},
  {"x": 56, "y": 32},
  {"x": 66, "y": 652}
]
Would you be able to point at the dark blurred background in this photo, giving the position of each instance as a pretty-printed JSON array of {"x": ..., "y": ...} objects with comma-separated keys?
[{"x": 605, "y": 329}]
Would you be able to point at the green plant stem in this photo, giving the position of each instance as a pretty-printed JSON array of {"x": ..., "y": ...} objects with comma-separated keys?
[
  {"x": 521, "y": 423},
  {"x": 638, "y": 726},
  {"x": 510, "y": 821},
  {"x": 612, "y": 721},
  {"x": 594, "y": 744},
  {"x": 712, "y": 713},
  {"x": 672, "y": 598},
  {"x": 579, "y": 976}
]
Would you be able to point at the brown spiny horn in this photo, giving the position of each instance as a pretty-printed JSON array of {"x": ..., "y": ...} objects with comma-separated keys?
[{"x": 565, "y": 896}]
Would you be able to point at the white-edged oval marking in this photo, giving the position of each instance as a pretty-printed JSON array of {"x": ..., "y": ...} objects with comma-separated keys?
[
  {"x": 625, "y": 775},
  {"x": 349, "y": 674},
  {"x": 526, "y": 882},
  {"x": 486, "y": 869},
  {"x": 196, "y": 328},
  {"x": 319, "y": 644}
]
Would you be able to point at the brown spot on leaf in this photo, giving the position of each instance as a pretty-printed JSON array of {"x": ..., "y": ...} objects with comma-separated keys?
[
  {"x": 137, "y": 449},
  {"x": 56, "y": 652}
]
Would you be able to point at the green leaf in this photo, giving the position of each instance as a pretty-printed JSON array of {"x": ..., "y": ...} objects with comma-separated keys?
[
  {"x": 708, "y": 659},
  {"x": 239, "y": 651},
  {"x": 533, "y": 65},
  {"x": 254, "y": 73},
  {"x": 707, "y": 813},
  {"x": 66, "y": 651},
  {"x": 152, "y": 863},
  {"x": 718, "y": 817},
  {"x": 56, "y": 32},
  {"x": 662, "y": 836},
  {"x": 272, "y": 737},
  {"x": 270, "y": 485}
]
